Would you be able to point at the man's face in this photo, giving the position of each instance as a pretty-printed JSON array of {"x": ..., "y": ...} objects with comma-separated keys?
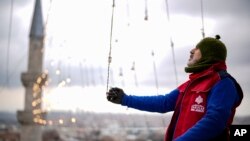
[{"x": 195, "y": 56}]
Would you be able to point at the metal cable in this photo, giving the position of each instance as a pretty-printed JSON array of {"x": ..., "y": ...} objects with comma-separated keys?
[
  {"x": 202, "y": 20},
  {"x": 110, "y": 44},
  {"x": 8, "y": 46},
  {"x": 172, "y": 45}
]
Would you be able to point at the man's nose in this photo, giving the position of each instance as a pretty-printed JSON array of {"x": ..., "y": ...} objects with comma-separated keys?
[{"x": 192, "y": 51}]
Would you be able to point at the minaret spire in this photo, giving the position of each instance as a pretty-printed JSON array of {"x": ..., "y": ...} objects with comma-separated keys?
[
  {"x": 33, "y": 80},
  {"x": 37, "y": 27}
]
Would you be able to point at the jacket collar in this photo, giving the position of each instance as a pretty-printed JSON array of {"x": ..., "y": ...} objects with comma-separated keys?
[{"x": 214, "y": 68}]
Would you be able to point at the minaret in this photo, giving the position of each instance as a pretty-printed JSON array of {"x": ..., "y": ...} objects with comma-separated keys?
[{"x": 33, "y": 80}]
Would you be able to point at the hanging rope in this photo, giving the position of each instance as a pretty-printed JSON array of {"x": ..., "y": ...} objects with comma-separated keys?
[
  {"x": 202, "y": 20},
  {"x": 172, "y": 45},
  {"x": 128, "y": 13},
  {"x": 146, "y": 10},
  {"x": 155, "y": 73},
  {"x": 110, "y": 44},
  {"x": 47, "y": 19},
  {"x": 122, "y": 77},
  {"x": 8, "y": 46},
  {"x": 135, "y": 76}
]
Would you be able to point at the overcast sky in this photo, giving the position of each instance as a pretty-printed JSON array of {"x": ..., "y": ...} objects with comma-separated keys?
[{"x": 77, "y": 44}]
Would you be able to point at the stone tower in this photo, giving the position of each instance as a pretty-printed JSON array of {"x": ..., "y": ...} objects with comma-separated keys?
[{"x": 32, "y": 117}]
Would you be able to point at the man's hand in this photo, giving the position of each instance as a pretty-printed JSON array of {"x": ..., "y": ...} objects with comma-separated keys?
[{"x": 115, "y": 95}]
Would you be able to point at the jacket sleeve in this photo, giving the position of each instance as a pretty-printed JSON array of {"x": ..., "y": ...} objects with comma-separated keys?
[
  {"x": 221, "y": 100},
  {"x": 157, "y": 103}
]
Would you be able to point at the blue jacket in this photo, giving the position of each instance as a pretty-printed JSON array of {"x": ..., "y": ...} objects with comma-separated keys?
[{"x": 227, "y": 99}]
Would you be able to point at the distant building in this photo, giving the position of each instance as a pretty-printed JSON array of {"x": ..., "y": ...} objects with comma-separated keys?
[
  {"x": 7, "y": 134},
  {"x": 51, "y": 135}
]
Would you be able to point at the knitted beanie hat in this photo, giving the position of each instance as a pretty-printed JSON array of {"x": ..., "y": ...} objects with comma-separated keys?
[
  {"x": 212, "y": 48},
  {"x": 212, "y": 51}
]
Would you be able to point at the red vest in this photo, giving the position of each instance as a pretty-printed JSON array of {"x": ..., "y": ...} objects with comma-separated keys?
[{"x": 192, "y": 101}]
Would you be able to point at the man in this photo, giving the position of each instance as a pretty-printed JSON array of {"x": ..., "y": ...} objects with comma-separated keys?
[{"x": 204, "y": 106}]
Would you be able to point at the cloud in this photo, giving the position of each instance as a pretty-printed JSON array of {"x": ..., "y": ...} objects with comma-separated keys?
[
  {"x": 225, "y": 8},
  {"x": 13, "y": 41},
  {"x": 86, "y": 42}
]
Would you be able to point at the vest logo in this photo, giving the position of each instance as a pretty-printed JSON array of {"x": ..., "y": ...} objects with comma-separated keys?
[
  {"x": 197, "y": 107},
  {"x": 199, "y": 100}
]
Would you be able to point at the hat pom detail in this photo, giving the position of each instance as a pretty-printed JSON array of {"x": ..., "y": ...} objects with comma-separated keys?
[{"x": 217, "y": 37}]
